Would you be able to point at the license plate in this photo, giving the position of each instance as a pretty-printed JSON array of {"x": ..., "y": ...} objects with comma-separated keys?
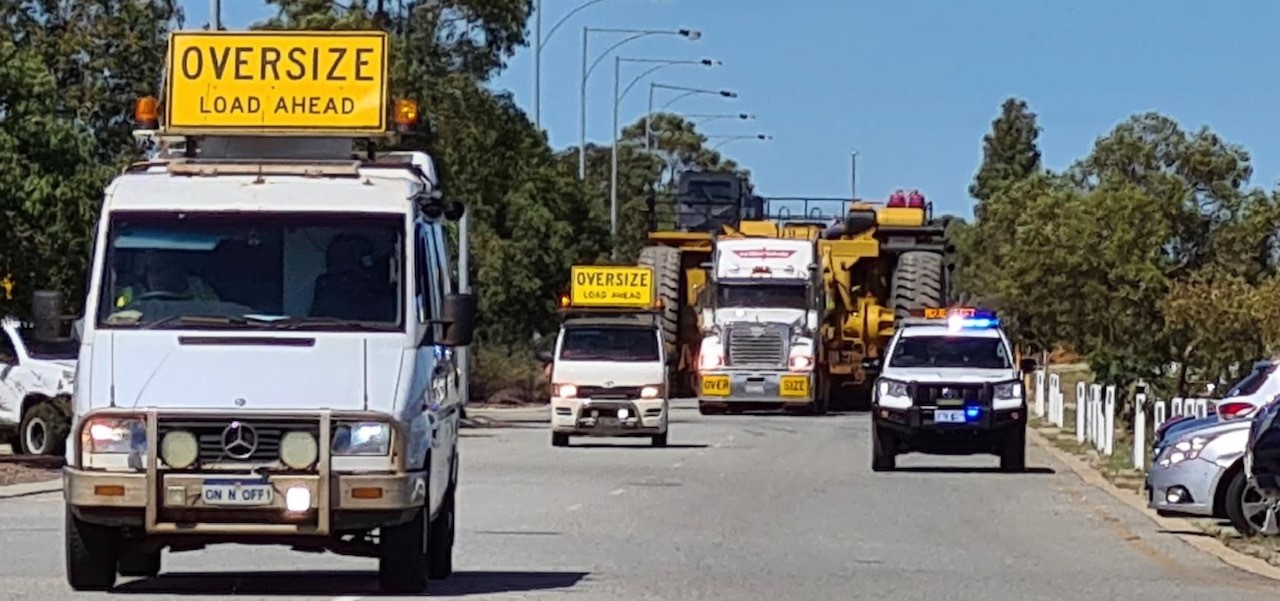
[
  {"x": 715, "y": 385},
  {"x": 794, "y": 386},
  {"x": 948, "y": 417},
  {"x": 241, "y": 493}
]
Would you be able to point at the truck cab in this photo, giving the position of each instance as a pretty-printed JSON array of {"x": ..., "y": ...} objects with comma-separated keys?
[
  {"x": 950, "y": 385},
  {"x": 268, "y": 350},
  {"x": 760, "y": 316},
  {"x": 609, "y": 369}
]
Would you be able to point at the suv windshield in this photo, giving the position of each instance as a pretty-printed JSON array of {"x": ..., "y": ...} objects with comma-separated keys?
[
  {"x": 950, "y": 351},
  {"x": 772, "y": 296},
  {"x": 609, "y": 344},
  {"x": 294, "y": 270}
]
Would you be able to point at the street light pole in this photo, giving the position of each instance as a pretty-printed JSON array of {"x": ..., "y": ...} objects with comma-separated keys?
[
  {"x": 648, "y": 116},
  {"x": 690, "y": 34},
  {"x": 613, "y": 178},
  {"x": 215, "y": 15},
  {"x": 537, "y": 64},
  {"x": 728, "y": 139}
]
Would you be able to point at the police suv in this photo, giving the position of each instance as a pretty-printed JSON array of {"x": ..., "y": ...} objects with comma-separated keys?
[{"x": 949, "y": 385}]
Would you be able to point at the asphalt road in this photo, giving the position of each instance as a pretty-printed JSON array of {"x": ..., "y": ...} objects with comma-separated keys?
[{"x": 741, "y": 507}]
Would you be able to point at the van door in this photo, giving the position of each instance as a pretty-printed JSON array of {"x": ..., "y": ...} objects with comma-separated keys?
[{"x": 444, "y": 399}]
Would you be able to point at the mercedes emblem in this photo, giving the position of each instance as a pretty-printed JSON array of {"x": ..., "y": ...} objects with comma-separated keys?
[{"x": 239, "y": 440}]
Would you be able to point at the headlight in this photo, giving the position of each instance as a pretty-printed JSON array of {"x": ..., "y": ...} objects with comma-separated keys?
[
  {"x": 1008, "y": 390},
  {"x": 893, "y": 388},
  {"x": 651, "y": 392},
  {"x": 113, "y": 435},
  {"x": 1184, "y": 450},
  {"x": 363, "y": 438},
  {"x": 298, "y": 450},
  {"x": 179, "y": 449},
  {"x": 566, "y": 391}
]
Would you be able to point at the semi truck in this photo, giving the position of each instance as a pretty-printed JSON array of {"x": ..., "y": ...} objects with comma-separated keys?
[{"x": 874, "y": 263}]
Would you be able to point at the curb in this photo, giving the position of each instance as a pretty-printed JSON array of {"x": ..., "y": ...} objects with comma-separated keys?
[
  {"x": 1092, "y": 477},
  {"x": 27, "y": 489}
]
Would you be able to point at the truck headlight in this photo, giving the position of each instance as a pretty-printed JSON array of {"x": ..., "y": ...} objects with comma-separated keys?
[
  {"x": 893, "y": 388},
  {"x": 1008, "y": 390},
  {"x": 119, "y": 435},
  {"x": 362, "y": 438}
]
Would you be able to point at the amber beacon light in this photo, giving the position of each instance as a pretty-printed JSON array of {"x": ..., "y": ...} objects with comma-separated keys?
[
  {"x": 146, "y": 112},
  {"x": 405, "y": 115}
]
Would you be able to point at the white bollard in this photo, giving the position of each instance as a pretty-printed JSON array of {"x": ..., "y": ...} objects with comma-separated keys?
[
  {"x": 1161, "y": 411},
  {"x": 1139, "y": 432},
  {"x": 1095, "y": 415},
  {"x": 1082, "y": 409},
  {"x": 1202, "y": 407},
  {"x": 1040, "y": 393},
  {"x": 1055, "y": 400},
  {"x": 1109, "y": 422}
]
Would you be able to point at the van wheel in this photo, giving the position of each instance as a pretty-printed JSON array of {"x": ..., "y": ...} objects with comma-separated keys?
[
  {"x": 440, "y": 549},
  {"x": 402, "y": 565},
  {"x": 92, "y": 552},
  {"x": 43, "y": 430},
  {"x": 659, "y": 440},
  {"x": 138, "y": 563},
  {"x": 559, "y": 440}
]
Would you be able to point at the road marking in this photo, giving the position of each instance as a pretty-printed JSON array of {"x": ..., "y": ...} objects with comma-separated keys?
[
  {"x": 677, "y": 464},
  {"x": 574, "y": 507},
  {"x": 348, "y": 598},
  {"x": 617, "y": 492}
]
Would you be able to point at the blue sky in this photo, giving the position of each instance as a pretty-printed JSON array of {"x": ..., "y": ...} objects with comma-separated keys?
[{"x": 911, "y": 85}]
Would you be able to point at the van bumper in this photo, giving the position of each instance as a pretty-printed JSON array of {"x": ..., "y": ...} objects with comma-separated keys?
[
  {"x": 601, "y": 417},
  {"x": 174, "y": 503}
]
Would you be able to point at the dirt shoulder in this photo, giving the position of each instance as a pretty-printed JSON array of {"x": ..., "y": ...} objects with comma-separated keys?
[{"x": 22, "y": 470}]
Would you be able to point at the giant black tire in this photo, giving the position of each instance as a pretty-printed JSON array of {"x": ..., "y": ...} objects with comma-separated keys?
[
  {"x": 917, "y": 283},
  {"x": 665, "y": 262}
]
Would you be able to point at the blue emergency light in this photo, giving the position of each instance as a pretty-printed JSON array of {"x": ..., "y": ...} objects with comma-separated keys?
[
  {"x": 972, "y": 319},
  {"x": 971, "y": 413}
]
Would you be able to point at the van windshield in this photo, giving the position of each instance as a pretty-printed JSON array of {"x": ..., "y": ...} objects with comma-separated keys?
[
  {"x": 285, "y": 270},
  {"x": 609, "y": 344},
  {"x": 950, "y": 351}
]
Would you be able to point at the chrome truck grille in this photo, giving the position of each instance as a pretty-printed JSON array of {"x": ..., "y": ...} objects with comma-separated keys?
[{"x": 755, "y": 345}]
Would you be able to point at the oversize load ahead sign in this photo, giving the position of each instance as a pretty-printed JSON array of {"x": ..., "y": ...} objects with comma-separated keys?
[
  {"x": 284, "y": 81},
  {"x": 611, "y": 286}
]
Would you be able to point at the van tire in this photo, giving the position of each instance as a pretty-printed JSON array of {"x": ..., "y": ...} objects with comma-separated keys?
[
  {"x": 138, "y": 563},
  {"x": 403, "y": 550},
  {"x": 443, "y": 530},
  {"x": 92, "y": 553},
  {"x": 559, "y": 440},
  {"x": 659, "y": 440},
  {"x": 43, "y": 430}
]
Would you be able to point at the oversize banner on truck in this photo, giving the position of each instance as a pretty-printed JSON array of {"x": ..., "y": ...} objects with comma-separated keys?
[
  {"x": 611, "y": 286},
  {"x": 277, "y": 81}
]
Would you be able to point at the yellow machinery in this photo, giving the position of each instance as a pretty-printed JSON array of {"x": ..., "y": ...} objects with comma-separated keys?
[{"x": 878, "y": 263}]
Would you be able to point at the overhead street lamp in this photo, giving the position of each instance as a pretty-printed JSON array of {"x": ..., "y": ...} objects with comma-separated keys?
[
  {"x": 617, "y": 100},
  {"x": 648, "y": 117},
  {"x": 728, "y": 139},
  {"x": 538, "y": 42},
  {"x": 710, "y": 118},
  {"x": 635, "y": 34}
]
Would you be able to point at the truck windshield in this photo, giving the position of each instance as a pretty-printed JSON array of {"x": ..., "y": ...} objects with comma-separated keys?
[
  {"x": 284, "y": 270},
  {"x": 609, "y": 344},
  {"x": 760, "y": 296},
  {"x": 950, "y": 351}
]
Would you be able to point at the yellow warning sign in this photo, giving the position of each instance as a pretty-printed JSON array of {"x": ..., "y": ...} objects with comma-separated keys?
[{"x": 277, "y": 81}]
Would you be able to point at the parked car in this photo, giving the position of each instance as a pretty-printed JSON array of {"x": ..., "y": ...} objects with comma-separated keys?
[
  {"x": 1200, "y": 472},
  {"x": 36, "y": 380},
  {"x": 1255, "y": 389},
  {"x": 1170, "y": 430},
  {"x": 1262, "y": 458}
]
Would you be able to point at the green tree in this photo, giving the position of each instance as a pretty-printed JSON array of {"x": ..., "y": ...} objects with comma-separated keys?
[
  {"x": 1010, "y": 152},
  {"x": 52, "y": 178}
]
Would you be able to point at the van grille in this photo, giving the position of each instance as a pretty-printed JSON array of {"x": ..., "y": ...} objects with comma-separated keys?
[
  {"x": 209, "y": 433},
  {"x": 756, "y": 345}
]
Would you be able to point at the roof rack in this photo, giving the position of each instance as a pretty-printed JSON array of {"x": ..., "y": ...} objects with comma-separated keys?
[{"x": 305, "y": 168}]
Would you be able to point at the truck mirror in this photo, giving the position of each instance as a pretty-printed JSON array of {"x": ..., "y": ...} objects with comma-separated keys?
[
  {"x": 1027, "y": 364},
  {"x": 544, "y": 356},
  {"x": 459, "y": 318}
]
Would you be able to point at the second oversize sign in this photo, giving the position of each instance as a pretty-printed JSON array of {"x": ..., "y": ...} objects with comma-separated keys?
[{"x": 277, "y": 81}]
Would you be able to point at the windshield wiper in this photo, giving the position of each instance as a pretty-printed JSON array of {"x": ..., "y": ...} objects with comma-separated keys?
[
  {"x": 200, "y": 319},
  {"x": 311, "y": 322}
]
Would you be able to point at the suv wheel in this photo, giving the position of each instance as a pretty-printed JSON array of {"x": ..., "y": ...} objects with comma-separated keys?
[
  {"x": 1013, "y": 452},
  {"x": 402, "y": 564},
  {"x": 883, "y": 454}
]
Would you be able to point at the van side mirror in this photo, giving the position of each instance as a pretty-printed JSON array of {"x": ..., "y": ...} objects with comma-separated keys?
[
  {"x": 672, "y": 360},
  {"x": 1027, "y": 364},
  {"x": 458, "y": 315},
  {"x": 545, "y": 356},
  {"x": 871, "y": 364}
]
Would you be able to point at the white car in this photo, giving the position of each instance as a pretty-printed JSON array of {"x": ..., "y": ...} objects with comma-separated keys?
[
  {"x": 1257, "y": 388},
  {"x": 950, "y": 386},
  {"x": 36, "y": 380}
]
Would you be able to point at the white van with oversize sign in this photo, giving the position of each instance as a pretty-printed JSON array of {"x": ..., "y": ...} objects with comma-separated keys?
[{"x": 268, "y": 349}]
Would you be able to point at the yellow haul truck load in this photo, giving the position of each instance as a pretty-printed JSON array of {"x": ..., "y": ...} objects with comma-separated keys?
[
  {"x": 275, "y": 341},
  {"x": 609, "y": 366},
  {"x": 876, "y": 262}
]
